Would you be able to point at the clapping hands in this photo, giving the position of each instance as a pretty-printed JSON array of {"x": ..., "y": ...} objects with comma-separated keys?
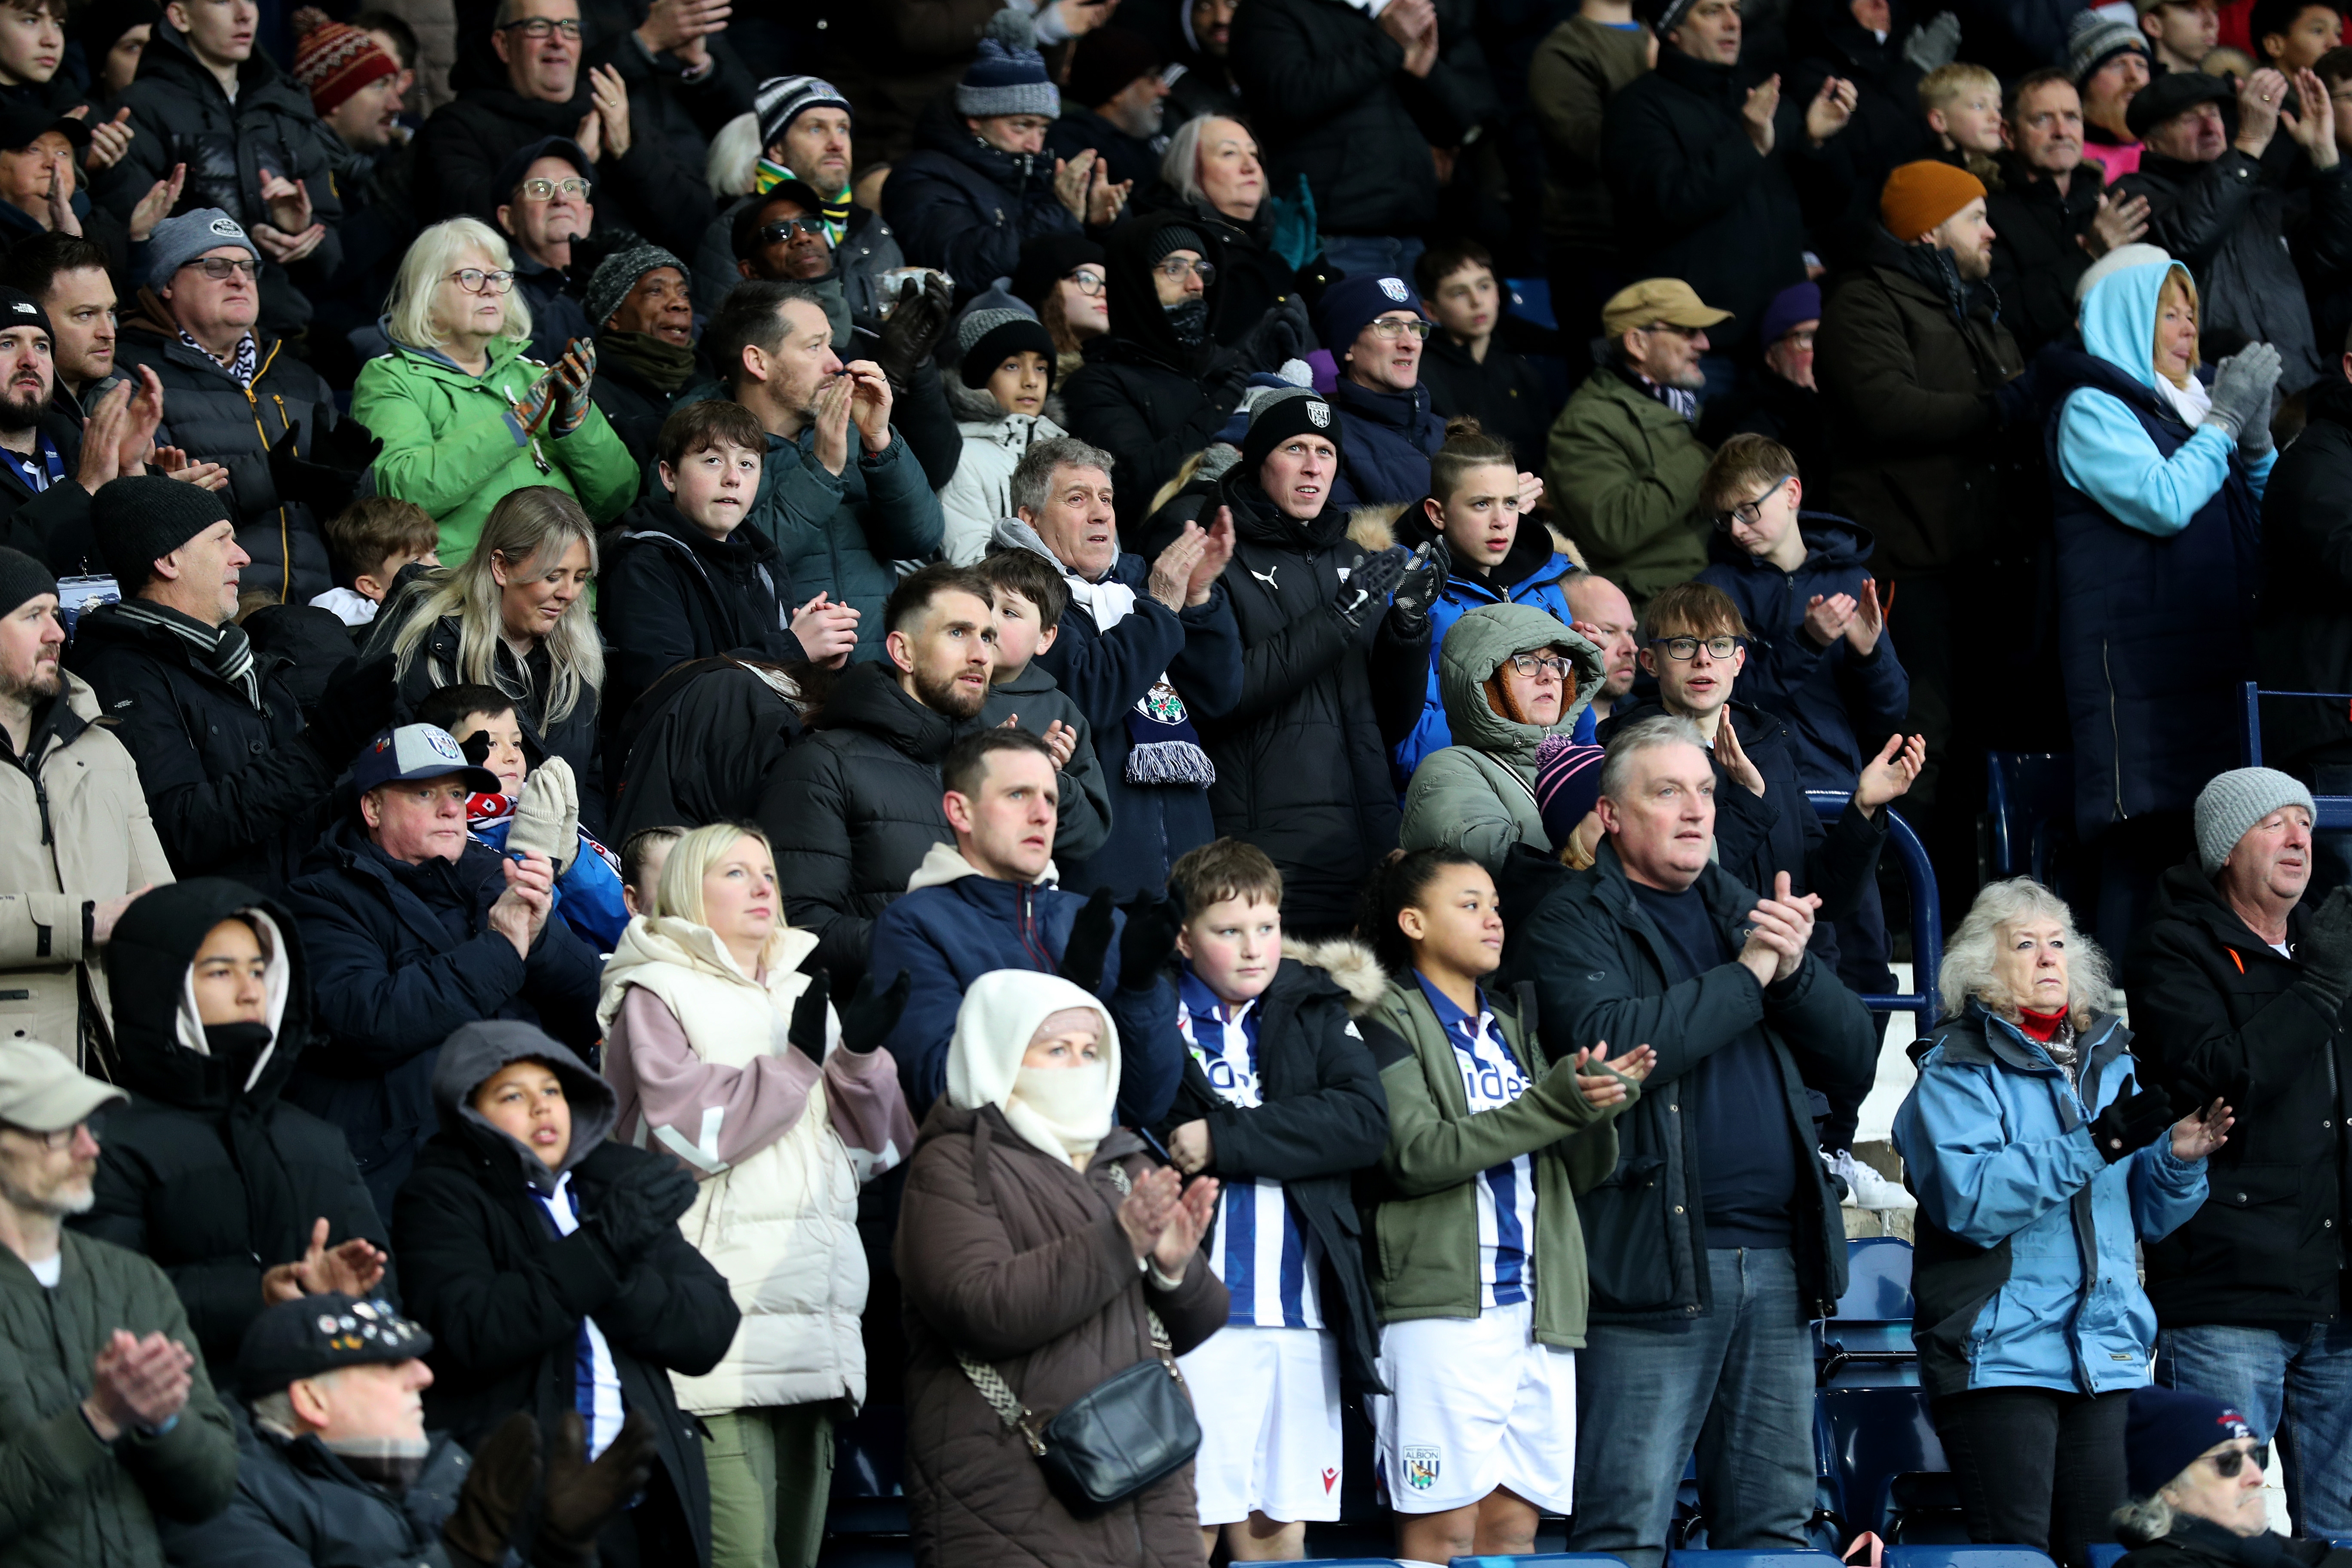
[{"x": 1164, "y": 1219}]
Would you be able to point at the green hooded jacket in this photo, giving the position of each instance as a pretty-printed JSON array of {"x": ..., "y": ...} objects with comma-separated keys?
[
  {"x": 453, "y": 445},
  {"x": 1424, "y": 1199},
  {"x": 1626, "y": 470},
  {"x": 1478, "y": 795}
]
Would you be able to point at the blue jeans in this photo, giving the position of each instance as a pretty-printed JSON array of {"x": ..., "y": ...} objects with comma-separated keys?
[
  {"x": 1373, "y": 255},
  {"x": 1736, "y": 1383},
  {"x": 2295, "y": 1391}
]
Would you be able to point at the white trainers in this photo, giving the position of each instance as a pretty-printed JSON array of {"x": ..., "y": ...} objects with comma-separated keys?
[{"x": 1866, "y": 1188}]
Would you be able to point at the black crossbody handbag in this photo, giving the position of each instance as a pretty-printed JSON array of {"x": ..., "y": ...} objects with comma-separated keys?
[{"x": 1133, "y": 1429}]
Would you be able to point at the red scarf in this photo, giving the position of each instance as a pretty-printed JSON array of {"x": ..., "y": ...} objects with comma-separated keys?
[{"x": 2043, "y": 1027}]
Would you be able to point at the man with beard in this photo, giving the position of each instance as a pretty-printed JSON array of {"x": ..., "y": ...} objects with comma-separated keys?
[
  {"x": 1114, "y": 102},
  {"x": 1201, "y": 78},
  {"x": 852, "y": 810},
  {"x": 90, "y": 1472},
  {"x": 1915, "y": 361},
  {"x": 839, "y": 493},
  {"x": 1598, "y": 605},
  {"x": 355, "y": 86},
  {"x": 79, "y": 845},
  {"x": 41, "y": 513}
]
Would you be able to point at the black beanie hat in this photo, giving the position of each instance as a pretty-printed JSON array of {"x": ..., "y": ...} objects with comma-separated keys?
[
  {"x": 1170, "y": 239},
  {"x": 140, "y": 518},
  {"x": 22, "y": 578},
  {"x": 1046, "y": 259},
  {"x": 1300, "y": 414}
]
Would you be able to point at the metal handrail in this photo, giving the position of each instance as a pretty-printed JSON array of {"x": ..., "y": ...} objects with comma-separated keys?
[
  {"x": 2334, "y": 810},
  {"x": 1926, "y": 914}
]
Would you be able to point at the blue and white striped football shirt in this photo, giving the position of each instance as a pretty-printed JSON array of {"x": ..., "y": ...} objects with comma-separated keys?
[{"x": 1492, "y": 1079}]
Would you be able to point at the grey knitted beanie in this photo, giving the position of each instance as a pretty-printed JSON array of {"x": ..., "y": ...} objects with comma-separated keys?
[{"x": 2234, "y": 801}]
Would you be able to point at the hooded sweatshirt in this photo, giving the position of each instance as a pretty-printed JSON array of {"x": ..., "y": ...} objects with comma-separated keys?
[
  {"x": 1479, "y": 794},
  {"x": 703, "y": 1064},
  {"x": 207, "y": 1171}
]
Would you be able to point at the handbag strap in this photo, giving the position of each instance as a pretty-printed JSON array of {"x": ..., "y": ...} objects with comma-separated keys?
[{"x": 1018, "y": 1417}]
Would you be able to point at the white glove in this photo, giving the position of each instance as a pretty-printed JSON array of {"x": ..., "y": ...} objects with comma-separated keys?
[{"x": 547, "y": 815}]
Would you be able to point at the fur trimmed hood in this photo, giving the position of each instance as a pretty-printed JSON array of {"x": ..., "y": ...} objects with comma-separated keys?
[{"x": 1351, "y": 966}]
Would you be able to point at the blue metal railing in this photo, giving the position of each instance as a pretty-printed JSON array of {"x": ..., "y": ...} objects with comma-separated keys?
[
  {"x": 1926, "y": 914},
  {"x": 2335, "y": 810}
]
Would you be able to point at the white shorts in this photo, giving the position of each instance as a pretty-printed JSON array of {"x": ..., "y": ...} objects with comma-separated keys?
[
  {"x": 1268, "y": 1402},
  {"x": 1475, "y": 1404}
]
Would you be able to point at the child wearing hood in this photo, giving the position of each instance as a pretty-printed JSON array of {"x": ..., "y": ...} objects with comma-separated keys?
[
  {"x": 1001, "y": 389},
  {"x": 1040, "y": 1239},
  {"x": 242, "y": 1199},
  {"x": 729, "y": 1061},
  {"x": 545, "y": 1260}
]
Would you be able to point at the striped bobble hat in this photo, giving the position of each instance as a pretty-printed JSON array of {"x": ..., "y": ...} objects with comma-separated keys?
[
  {"x": 1009, "y": 76},
  {"x": 334, "y": 60},
  {"x": 784, "y": 99}
]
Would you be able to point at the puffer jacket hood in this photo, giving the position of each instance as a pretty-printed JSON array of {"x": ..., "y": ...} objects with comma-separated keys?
[
  {"x": 1832, "y": 544},
  {"x": 1476, "y": 646},
  {"x": 667, "y": 939},
  {"x": 473, "y": 1053},
  {"x": 978, "y": 414},
  {"x": 1137, "y": 321},
  {"x": 2118, "y": 318},
  {"x": 163, "y": 1056}
]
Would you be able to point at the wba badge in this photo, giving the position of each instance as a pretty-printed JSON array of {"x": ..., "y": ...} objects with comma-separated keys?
[{"x": 1420, "y": 1468}]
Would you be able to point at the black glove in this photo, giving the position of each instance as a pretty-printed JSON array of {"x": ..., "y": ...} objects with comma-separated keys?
[
  {"x": 582, "y": 1498},
  {"x": 807, "y": 1031},
  {"x": 344, "y": 444},
  {"x": 1282, "y": 333},
  {"x": 642, "y": 1207},
  {"x": 1089, "y": 943},
  {"x": 356, "y": 705},
  {"x": 1366, "y": 590},
  {"x": 867, "y": 1019},
  {"x": 1147, "y": 942},
  {"x": 1424, "y": 578},
  {"x": 914, "y": 329},
  {"x": 2326, "y": 951},
  {"x": 321, "y": 481},
  {"x": 497, "y": 1488},
  {"x": 2130, "y": 1125}
]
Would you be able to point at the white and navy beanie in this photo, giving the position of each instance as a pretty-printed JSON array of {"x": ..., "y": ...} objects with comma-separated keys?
[
  {"x": 1009, "y": 76},
  {"x": 2234, "y": 801},
  {"x": 784, "y": 99}
]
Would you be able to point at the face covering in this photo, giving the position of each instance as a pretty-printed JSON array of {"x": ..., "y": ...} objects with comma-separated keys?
[
  {"x": 237, "y": 1047},
  {"x": 1063, "y": 1111},
  {"x": 394, "y": 1463},
  {"x": 1190, "y": 321}
]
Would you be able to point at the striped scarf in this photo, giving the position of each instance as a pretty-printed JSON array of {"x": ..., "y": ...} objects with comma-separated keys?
[{"x": 223, "y": 650}]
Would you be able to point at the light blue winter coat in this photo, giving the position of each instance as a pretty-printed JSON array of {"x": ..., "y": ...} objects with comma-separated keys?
[{"x": 2026, "y": 1273}]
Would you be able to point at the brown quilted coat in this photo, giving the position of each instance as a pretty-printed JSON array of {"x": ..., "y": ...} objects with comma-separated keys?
[{"x": 1012, "y": 1255}]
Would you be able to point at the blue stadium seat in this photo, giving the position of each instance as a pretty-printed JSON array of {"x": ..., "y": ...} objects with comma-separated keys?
[
  {"x": 1542, "y": 1560},
  {"x": 2030, "y": 815},
  {"x": 1966, "y": 1557},
  {"x": 1377, "y": 1561},
  {"x": 1531, "y": 302},
  {"x": 1878, "y": 1280},
  {"x": 1869, "y": 1438},
  {"x": 2106, "y": 1554},
  {"x": 1751, "y": 1560},
  {"x": 1923, "y": 1509}
]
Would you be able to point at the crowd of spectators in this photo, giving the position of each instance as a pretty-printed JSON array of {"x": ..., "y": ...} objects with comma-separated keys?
[{"x": 1247, "y": 664}]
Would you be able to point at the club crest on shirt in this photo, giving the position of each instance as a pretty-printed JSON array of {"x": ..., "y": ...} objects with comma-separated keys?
[{"x": 1420, "y": 1468}]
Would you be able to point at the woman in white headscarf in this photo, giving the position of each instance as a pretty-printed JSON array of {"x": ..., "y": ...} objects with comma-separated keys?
[{"x": 1040, "y": 1239}]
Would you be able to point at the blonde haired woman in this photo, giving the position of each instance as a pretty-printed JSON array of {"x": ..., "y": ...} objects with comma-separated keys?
[
  {"x": 515, "y": 616},
  {"x": 464, "y": 415},
  {"x": 725, "y": 1054}
]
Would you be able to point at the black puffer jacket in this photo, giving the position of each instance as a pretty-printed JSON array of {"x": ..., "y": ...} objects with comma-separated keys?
[
  {"x": 1887, "y": 128},
  {"x": 1693, "y": 198},
  {"x": 233, "y": 789},
  {"x": 1331, "y": 99},
  {"x": 853, "y": 809},
  {"x": 958, "y": 204},
  {"x": 700, "y": 745},
  {"x": 297, "y": 1502},
  {"x": 1303, "y": 757},
  {"x": 1143, "y": 396},
  {"x": 402, "y": 956},
  {"x": 2037, "y": 254},
  {"x": 54, "y": 524},
  {"x": 2218, "y": 1011},
  {"x": 217, "y": 420},
  {"x": 205, "y": 1172},
  {"x": 671, "y": 592},
  {"x": 2199, "y": 1543},
  {"x": 504, "y": 1296},
  {"x": 180, "y": 115},
  {"x": 2302, "y": 640},
  {"x": 575, "y": 737}
]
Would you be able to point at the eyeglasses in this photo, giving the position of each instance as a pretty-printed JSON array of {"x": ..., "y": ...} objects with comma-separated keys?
[
  {"x": 783, "y": 229},
  {"x": 1751, "y": 512},
  {"x": 538, "y": 28},
  {"x": 1175, "y": 269},
  {"x": 1390, "y": 331},
  {"x": 2227, "y": 1466},
  {"x": 219, "y": 266},
  {"x": 64, "y": 1137},
  {"x": 1684, "y": 333},
  {"x": 1687, "y": 649},
  {"x": 544, "y": 190},
  {"x": 1091, "y": 284},
  {"x": 1529, "y": 663},
  {"x": 474, "y": 281}
]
